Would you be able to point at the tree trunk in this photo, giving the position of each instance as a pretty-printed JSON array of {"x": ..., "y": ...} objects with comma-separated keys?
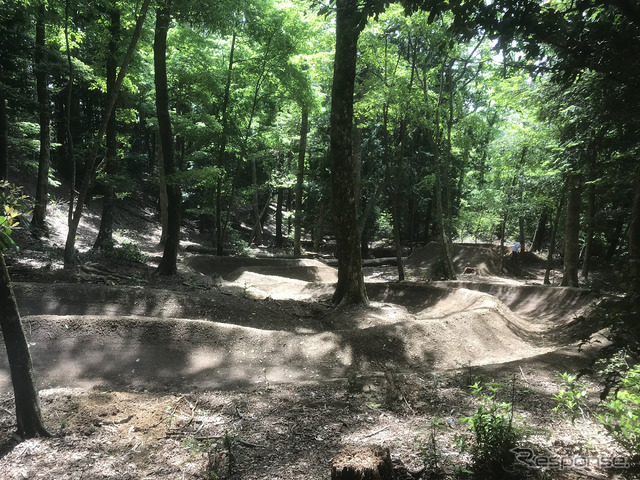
[
  {"x": 300, "y": 180},
  {"x": 634, "y": 240},
  {"x": 444, "y": 237},
  {"x": 357, "y": 161},
  {"x": 427, "y": 222},
  {"x": 319, "y": 233},
  {"x": 89, "y": 172},
  {"x": 571, "y": 233},
  {"x": 350, "y": 288},
  {"x": 219, "y": 228},
  {"x": 168, "y": 265},
  {"x": 261, "y": 216},
  {"x": 440, "y": 215},
  {"x": 28, "y": 415},
  {"x": 541, "y": 231},
  {"x": 38, "y": 224},
  {"x": 151, "y": 137},
  {"x": 588, "y": 242},
  {"x": 279, "y": 202},
  {"x": 363, "y": 463},
  {"x": 614, "y": 239},
  {"x": 371, "y": 202},
  {"x": 105, "y": 234},
  {"x": 288, "y": 207},
  {"x": 257, "y": 226},
  {"x": 503, "y": 227},
  {"x": 514, "y": 180},
  {"x": 521, "y": 234},
  {"x": 69, "y": 256},
  {"x": 552, "y": 240},
  {"x": 4, "y": 138},
  {"x": 257, "y": 229},
  {"x": 395, "y": 211},
  {"x": 162, "y": 195}
]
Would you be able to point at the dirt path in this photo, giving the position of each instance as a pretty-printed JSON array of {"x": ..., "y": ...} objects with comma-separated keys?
[
  {"x": 143, "y": 377},
  {"x": 236, "y": 334}
]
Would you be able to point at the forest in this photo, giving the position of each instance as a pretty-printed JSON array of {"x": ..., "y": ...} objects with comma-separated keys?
[{"x": 307, "y": 153}]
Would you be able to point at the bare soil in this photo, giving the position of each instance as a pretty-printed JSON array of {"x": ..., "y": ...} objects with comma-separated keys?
[{"x": 241, "y": 368}]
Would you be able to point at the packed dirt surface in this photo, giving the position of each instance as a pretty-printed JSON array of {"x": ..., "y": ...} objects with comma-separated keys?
[
  {"x": 242, "y": 368},
  {"x": 228, "y": 326}
]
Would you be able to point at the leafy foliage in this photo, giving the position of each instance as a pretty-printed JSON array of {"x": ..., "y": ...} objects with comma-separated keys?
[
  {"x": 623, "y": 417},
  {"x": 15, "y": 207},
  {"x": 571, "y": 397},
  {"x": 494, "y": 435}
]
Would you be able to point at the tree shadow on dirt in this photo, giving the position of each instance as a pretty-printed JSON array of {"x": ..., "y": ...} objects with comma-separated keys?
[
  {"x": 160, "y": 354},
  {"x": 212, "y": 305}
]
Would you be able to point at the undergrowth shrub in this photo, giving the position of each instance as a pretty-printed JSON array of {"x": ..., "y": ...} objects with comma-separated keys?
[
  {"x": 493, "y": 434},
  {"x": 571, "y": 397},
  {"x": 129, "y": 252},
  {"x": 431, "y": 453},
  {"x": 622, "y": 418}
]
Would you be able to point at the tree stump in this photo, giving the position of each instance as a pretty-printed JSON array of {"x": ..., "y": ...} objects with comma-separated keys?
[{"x": 363, "y": 463}]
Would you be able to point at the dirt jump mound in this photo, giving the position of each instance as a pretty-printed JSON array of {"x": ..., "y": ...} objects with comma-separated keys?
[
  {"x": 232, "y": 269},
  {"x": 480, "y": 258}
]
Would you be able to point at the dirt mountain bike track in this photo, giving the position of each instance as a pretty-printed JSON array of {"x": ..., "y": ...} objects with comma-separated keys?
[{"x": 251, "y": 325}]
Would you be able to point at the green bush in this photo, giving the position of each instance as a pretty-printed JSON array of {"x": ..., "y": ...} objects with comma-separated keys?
[
  {"x": 493, "y": 437},
  {"x": 14, "y": 206},
  {"x": 128, "y": 252},
  {"x": 622, "y": 419},
  {"x": 571, "y": 397}
]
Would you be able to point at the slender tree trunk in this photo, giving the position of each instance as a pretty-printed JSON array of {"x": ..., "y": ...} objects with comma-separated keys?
[
  {"x": 168, "y": 265},
  {"x": 447, "y": 175},
  {"x": 69, "y": 257},
  {"x": 257, "y": 229},
  {"x": 257, "y": 226},
  {"x": 427, "y": 222},
  {"x": 614, "y": 239},
  {"x": 105, "y": 234},
  {"x": 4, "y": 138},
  {"x": 552, "y": 240},
  {"x": 571, "y": 233},
  {"x": 371, "y": 202},
  {"x": 514, "y": 180},
  {"x": 412, "y": 220},
  {"x": 541, "y": 230},
  {"x": 588, "y": 242},
  {"x": 503, "y": 227},
  {"x": 219, "y": 236},
  {"x": 447, "y": 248},
  {"x": 395, "y": 211},
  {"x": 319, "y": 233},
  {"x": 151, "y": 138},
  {"x": 38, "y": 224},
  {"x": 279, "y": 202},
  {"x": 289, "y": 202},
  {"x": 521, "y": 235},
  {"x": 163, "y": 197},
  {"x": 357, "y": 161},
  {"x": 89, "y": 172},
  {"x": 444, "y": 237},
  {"x": 261, "y": 216},
  {"x": 634, "y": 240},
  {"x": 28, "y": 415},
  {"x": 304, "y": 127},
  {"x": 350, "y": 288}
]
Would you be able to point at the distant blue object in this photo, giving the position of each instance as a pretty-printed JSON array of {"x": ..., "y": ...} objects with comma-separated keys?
[{"x": 516, "y": 247}]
